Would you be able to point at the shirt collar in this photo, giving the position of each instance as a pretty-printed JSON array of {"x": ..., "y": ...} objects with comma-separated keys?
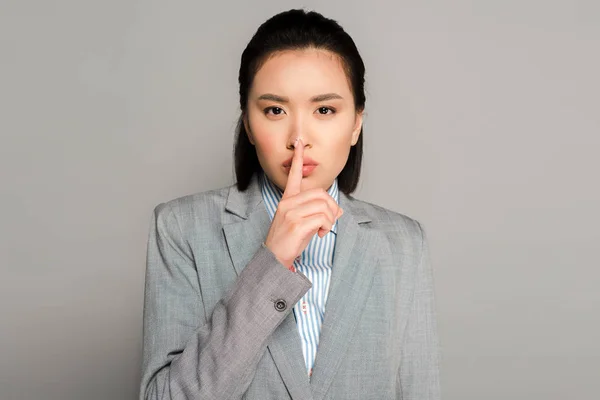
[{"x": 271, "y": 195}]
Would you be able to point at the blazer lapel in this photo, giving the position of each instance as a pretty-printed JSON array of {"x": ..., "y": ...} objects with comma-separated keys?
[
  {"x": 247, "y": 224},
  {"x": 355, "y": 259},
  {"x": 247, "y": 227}
]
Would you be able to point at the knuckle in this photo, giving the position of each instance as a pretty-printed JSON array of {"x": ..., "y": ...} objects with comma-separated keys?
[
  {"x": 290, "y": 218},
  {"x": 319, "y": 192},
  {"x": 294, "y": 226},
  {"x": 282, "y": 213},
  {"x": 282, "y": 204}
]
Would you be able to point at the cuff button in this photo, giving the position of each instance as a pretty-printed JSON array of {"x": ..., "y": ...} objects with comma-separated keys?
[{"x": 280, "y": 305}]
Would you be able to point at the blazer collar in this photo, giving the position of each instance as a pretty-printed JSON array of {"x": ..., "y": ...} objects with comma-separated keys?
[
  {"x": 244, "y": 203},
  {"x": 355, "y": 260}
]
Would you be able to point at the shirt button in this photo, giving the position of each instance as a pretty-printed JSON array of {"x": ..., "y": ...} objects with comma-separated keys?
[{"x": 280, "y": 305}]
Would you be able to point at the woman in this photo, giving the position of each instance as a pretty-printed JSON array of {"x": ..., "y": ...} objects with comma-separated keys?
[{"x": 283, "y": 285}]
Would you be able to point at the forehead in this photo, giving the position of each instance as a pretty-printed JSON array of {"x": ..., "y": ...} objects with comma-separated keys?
[{"x": 301, "y": 72}]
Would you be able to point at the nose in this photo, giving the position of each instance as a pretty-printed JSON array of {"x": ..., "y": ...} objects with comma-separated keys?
[
  {"x": 298, "y": 130},
  {"x": 291, "y": 145}
]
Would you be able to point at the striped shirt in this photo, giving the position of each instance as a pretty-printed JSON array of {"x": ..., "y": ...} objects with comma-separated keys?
[{"x": 315, "y": 262}]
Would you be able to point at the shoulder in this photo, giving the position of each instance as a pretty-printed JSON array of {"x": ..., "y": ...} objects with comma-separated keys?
[
  {"x": 201, "y": 207},
  {"x": 397, "y": 227}
]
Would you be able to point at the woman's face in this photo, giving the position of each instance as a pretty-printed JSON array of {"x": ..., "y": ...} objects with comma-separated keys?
[{"x": 306, "y": 94}]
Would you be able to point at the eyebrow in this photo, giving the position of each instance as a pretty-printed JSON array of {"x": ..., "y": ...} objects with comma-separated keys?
[{"x": 315, "y": 99}]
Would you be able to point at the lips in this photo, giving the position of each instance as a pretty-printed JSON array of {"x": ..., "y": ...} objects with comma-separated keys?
[{"x": 306, "y": 161}]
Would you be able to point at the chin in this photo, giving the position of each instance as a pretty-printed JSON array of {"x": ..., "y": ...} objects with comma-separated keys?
[{"x": 312, "y": 182}]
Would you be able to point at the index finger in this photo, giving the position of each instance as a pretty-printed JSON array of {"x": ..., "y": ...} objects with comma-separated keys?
[{"x": 292, "y": 186}]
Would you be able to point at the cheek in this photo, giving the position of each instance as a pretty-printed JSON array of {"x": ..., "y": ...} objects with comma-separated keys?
[
  {"x": 339, "y": 146},
  {"x": 265, "y": 140},
  {"x": 340, "y": 140},
  {"x": 265, "y": 149},
  {"x": 341, "y": 152}
]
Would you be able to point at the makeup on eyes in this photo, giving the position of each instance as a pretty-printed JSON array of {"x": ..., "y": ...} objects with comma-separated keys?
[{"x": 329, "y": 110}]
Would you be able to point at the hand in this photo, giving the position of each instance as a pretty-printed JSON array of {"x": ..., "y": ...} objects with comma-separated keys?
[{"x": 300, "y": 214}]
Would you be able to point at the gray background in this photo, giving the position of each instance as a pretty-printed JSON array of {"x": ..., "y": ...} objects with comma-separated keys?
[{"x": 483, "y": 122}]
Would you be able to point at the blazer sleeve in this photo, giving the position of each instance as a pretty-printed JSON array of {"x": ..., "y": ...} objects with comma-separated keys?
[
  {"x": 419, "y": 368},
  {"x": 218, "y": 359}
]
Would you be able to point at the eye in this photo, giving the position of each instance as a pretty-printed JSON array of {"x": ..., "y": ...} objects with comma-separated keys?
[
  {"x": 275, "y": 110},
  {"x": 326, "y": 110}
]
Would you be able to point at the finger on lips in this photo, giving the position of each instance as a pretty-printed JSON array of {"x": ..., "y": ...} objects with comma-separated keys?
[
  {"x": 293, "y": 188},
  {"x": 294, "y": 180}
]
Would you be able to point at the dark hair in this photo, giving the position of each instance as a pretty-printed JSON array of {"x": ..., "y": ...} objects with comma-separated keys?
[{"x": 294, "y": 30}]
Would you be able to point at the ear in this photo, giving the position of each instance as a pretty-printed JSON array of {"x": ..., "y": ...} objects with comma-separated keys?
[
  {"x": 247, "y": 128},
  {"x": 357, "y": 127}
]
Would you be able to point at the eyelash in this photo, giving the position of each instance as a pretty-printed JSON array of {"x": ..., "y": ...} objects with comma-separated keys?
[
  {"x": 331, "y": 109},
  {"x": 266, "y": 110},
  {"x": 327, "y": 108}
]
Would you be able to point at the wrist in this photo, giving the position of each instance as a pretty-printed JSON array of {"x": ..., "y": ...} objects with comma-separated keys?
[{"x": 288, "y": 264}]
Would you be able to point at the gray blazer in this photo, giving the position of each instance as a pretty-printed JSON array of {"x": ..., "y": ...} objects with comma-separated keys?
[{"x": 218, "y": 321}]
